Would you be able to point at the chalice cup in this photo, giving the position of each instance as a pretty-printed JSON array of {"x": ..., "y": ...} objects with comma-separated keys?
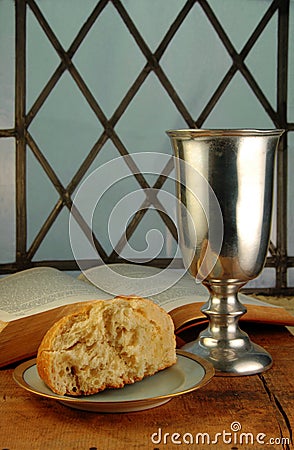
[{"x": 224, "y": 184}]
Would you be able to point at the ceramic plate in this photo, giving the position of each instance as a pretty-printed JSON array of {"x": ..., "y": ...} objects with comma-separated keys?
[{"x": 188, "y": 374}]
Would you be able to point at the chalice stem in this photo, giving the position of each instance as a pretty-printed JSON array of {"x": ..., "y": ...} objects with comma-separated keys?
[
  {"x": 223, "y": 343},
  {"x": 224, "y": 310}
]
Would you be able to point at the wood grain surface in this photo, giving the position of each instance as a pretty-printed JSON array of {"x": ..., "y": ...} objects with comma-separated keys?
[{"x": 262, "y": 405}]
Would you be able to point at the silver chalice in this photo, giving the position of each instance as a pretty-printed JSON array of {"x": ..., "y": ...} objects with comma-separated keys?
[{"x": 225, "y": 188}]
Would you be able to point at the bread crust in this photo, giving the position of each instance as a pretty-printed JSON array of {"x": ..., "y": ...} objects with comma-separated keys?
[
  {"x": 47, "y": 343},
  {"x": 153, "y": 328}
]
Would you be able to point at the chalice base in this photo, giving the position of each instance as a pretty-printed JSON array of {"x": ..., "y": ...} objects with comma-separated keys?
[
  {"x": 233, "y": 362},
  {"x": 223, "y": 343}
]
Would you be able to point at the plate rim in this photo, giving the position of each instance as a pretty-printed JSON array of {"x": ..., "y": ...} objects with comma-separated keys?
[{"x": 209, "y": 372}]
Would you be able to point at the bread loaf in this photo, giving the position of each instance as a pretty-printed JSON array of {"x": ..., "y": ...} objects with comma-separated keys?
[{"x": 106, "y": 344}]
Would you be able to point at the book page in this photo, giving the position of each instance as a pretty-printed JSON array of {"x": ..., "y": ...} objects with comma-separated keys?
[
  {"x": 167, "y": 287},
  {"x": 170, "y": 288},
  {"x": 40, "y": 289}
]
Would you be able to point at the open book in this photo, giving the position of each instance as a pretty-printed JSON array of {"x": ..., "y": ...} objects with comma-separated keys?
[{"x": 32, "y": 300}]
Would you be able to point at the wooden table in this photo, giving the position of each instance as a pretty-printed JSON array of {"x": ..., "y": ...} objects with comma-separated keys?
[{"x": 261, "y": 405}]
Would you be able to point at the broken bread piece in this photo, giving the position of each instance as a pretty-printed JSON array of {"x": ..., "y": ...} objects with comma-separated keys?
[{"x": 106, "y": 344}]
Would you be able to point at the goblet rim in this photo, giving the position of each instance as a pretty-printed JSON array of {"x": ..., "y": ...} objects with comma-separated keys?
[{"x": 208, "y": 132}]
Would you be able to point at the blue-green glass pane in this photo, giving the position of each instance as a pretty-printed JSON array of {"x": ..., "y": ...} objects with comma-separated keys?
[
  {"x": 66, "y": 17},
  {"x": 7, "y": 200},
  {"x": 42, "y": 59},
  {"x": 115, "y": 206},
  {"x": 238, "y": 107},
  {"x": 152, "y": 239},
  {"x": 142, "y": 127},
  {"x": 196, "y": 61},
  {"x": 290, "y": 278},
  {"x": 109, "y": 60},
  {"x": 239, "y": 18},
  {"x": 262, "y": 61},
  {"x": 41, "y": 197},
  {"x": 153, "y": 18},
  {"x": 290, "y": 194},
  {"x": 291, "y": 65},
  {"x": 56, "y": 244},
  {"x": 7, "y": 60},
  {"x": 66, "y": 128},
  {"x": 265, "y": 279}
]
